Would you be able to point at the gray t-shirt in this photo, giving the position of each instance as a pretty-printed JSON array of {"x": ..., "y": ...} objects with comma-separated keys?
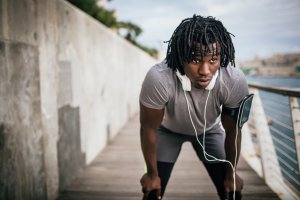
[{"x": 162, "y": 89}]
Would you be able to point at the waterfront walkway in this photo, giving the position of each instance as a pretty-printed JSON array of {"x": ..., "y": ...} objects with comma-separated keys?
[{"x": 115, "y": 174}]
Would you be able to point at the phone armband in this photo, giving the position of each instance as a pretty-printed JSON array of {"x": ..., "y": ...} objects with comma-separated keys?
[{"x": 241, "y": 113}]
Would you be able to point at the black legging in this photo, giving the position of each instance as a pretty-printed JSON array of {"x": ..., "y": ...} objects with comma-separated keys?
[{"x": 215, "y": 170}]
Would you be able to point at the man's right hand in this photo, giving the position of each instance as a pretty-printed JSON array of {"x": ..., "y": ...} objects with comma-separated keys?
[{"x": 150, "y": 183}]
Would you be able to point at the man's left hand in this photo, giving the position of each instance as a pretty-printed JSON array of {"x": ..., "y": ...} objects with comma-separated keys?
[{"x": 229, "y": 185}]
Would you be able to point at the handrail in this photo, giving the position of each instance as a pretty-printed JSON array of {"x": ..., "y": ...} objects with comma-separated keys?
[
  {"x": 294, "y": 92},
  {"x": 277, "y": 149}
]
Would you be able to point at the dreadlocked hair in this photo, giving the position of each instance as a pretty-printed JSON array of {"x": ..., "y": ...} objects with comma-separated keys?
[{"x": 207, "y": 32}]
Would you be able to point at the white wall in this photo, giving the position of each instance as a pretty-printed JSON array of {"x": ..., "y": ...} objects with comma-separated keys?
[{"x": 78, "y": 64}]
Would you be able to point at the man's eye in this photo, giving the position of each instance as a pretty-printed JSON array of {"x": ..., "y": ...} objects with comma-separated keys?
[{"x": 195, "y": 61}]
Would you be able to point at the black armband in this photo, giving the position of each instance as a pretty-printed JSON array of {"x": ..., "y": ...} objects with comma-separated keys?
[{"x": 241, "y": 113}]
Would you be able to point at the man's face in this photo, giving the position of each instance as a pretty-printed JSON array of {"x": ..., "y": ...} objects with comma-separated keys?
[{"x": 201, "y": 70}]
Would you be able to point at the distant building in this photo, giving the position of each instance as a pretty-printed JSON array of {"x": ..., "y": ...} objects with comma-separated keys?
[{"x": 278, "y": 65}]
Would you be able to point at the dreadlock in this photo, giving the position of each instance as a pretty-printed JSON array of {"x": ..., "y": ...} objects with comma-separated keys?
[{"x": 195, "y": 31}]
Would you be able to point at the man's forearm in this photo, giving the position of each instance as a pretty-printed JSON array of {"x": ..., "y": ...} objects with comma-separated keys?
[
  {"x": 232, "y": 149},
  {"x": 148, "y": 143}
]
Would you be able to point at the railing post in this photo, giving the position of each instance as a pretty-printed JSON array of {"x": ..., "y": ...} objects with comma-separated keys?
[
  {"x": 249, "y": 152},
  {"x": 295, "y": 112},
  {"x": 270, "y": 165}
]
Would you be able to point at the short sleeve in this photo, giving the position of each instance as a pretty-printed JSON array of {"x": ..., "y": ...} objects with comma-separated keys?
[
  {"x": 154, "y": 92},
  {"x": 237, "y": 92}
]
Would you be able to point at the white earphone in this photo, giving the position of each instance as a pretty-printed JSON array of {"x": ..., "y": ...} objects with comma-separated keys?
[{"x": 186, "y": 82}]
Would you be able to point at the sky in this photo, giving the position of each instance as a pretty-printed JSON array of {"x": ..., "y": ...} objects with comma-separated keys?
[{"x": 261, "y": 28}]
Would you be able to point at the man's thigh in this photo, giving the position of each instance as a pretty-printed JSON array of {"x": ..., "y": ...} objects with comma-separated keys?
[
  {"x": 168, "y": 145},
  {"x": 211, "y": 148}
]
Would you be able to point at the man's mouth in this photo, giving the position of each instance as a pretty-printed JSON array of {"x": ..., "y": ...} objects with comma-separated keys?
[
  {"x": 203, "y": 79},
  {"x": 203, "y": 82}
]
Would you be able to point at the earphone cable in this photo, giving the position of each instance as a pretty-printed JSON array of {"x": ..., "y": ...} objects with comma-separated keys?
[{"x": 203, "y": 146}]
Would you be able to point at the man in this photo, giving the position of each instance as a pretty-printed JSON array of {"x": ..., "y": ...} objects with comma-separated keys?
[{"x": 193, "y": 95}]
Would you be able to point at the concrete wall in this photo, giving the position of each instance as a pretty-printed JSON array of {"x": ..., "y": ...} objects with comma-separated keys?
[{"x": 67, "y": 85}]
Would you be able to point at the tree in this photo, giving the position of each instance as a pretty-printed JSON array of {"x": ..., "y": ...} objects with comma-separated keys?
[{"x": 108, "y": 18}]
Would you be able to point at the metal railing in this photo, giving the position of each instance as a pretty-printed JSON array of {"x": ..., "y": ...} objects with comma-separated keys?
[{"x": 272, "y": 138}]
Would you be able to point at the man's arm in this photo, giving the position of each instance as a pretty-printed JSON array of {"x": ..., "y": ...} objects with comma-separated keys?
[
  {"x": 150, "y": 120},
  {"x": 232, "y": 150}
]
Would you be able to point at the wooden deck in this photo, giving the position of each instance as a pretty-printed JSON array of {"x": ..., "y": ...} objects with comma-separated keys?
[{"x": 115, "y": 174}]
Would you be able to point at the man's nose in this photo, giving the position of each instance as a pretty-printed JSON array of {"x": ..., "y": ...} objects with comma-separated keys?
[{"x": 204, "y": 69}]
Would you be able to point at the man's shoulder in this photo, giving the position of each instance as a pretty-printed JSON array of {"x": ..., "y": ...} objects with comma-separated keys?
[
  {"x": 231, "y": 74},
  {"x": 157, "y": 86},
  {"x": 161, "y": 67},
  {"x": 160, "y": 71}
]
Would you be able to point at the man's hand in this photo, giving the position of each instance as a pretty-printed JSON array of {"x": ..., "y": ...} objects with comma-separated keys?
[
  {"x": 149, "y": 185},
  {"x": 229, "y": 186}
]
